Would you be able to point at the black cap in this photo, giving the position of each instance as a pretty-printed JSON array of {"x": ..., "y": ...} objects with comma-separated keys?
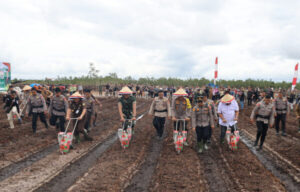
[
  {"x": 268, "y": 97},
  {"x": 87, "y": 90},
  {"x": 160, "y": 91},
  {"x": 203, "y": 95},
  {"x": 57, "y": 90}
]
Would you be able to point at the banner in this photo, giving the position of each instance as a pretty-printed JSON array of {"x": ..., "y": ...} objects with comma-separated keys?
[{"x": 5, "y": 76}]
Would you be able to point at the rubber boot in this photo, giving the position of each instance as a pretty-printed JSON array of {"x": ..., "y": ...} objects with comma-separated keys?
[
  {"x": 77, "y": 139},
  {"x": 222, "y": 141},
  {"x": 186, "y": 143},
  {"x": 87, "y": 137},
  {"x": 200, "y": 147},
  {"x": 259, "y": 148},
  {"x": 255, "y": 143},
  {"x": 206, "y": 146}
]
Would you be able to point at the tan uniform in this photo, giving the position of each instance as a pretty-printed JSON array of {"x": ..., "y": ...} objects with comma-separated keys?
[
  {"x": 202, "y": 116},
  {"x": 213, "y": 108},
  {"x": 298, "y": 109},
  {"x": 36, "y": 103},
  {"x": 58, "y": 106},
  {"x": 160, "y": 107},
  {"x": 281, "y": 106},
  {"x": 264, "y": 113}
]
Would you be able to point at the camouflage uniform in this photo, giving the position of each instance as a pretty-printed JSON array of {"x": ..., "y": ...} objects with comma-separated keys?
[
  {"x": 90, "y": 105},
  {"x": 180, "y": 110},
  {"x": 127, "y": 108},
  {"x": 160, "y": 108},
  {"x": 76, "y": 111},
  {"x": 37, "y": 106},
  {"x": 58, "y": 109},
  {"x": 264, "y": 115}
]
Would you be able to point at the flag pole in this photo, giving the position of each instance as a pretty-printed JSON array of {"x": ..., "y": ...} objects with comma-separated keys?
[{"x": 216, "y": 72}]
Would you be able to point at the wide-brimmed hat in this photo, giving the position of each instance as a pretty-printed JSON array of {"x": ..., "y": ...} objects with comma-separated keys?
[
  {"x": 26, "y": 88},
  {"x": 180, "y": 92},
  {"x": 125, "y": 91},
  {"x": 76, "y": 95},
  {"x": 227, "y": 98}
]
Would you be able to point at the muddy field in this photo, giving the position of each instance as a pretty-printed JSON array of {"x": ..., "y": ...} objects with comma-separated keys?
[{"x": 32, "y": 162}]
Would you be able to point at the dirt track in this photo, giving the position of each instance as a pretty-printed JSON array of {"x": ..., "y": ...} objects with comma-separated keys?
[{"x": 148, "y": 164}]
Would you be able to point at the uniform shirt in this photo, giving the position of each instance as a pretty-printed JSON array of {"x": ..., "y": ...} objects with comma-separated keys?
[
  {"x": 160, "y": 107},
  {"x": 77, "y": 109},
  {"x": 89, "y": 103},
  {"x": 281, "y": 106},
  {"x": 180, "y": 109},
  {"x": 263, "y": 112},
  {"x": 58, "y": 106},
  {"x": 36, "y": 103},
  {"x": 202, "y": 116},
  {"x": 298, "y": 109},
  {"x": 127, "y": 105},
  {"x": 228, "y": 112},
  {"x": 213, "y": 107}
]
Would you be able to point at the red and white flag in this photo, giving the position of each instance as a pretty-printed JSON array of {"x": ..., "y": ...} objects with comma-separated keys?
[
  {"x": 216, "y": 71},
  {"x": 294, "y": 83}
]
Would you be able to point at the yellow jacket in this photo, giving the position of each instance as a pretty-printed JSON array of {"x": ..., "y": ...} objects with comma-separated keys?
[{"x": 188, "y": 103}]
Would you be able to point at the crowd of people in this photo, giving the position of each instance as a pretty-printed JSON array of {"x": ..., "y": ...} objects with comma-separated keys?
[{"x": 198, "y": 109}]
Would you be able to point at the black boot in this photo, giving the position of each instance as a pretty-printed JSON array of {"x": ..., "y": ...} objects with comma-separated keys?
[
  {"x": 255, "y": 143},
  {"x": 87, "y": 137},
  {"x": 260, "y": 147}
]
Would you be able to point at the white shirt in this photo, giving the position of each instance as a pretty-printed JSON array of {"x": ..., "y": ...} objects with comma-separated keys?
[{"x": 228, "y": 112}]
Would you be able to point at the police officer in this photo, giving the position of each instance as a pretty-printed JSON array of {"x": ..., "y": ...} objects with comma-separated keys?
[
  {"x": 96, "y": 110},
  {"x": 58, "y": 109},
  {"x": 160, "y": 108},
  {"x": 282, "y": 110},
  {"x": 181, "y": 109},
  {"x": 89, "y": 104},
  {"x": 37, "y": 106},
  {"x": 202, "y": 122},
  {"x": 77, "y": 110},
  {"x": 263, "y": 112},
  {"x": 214, "y": 112},
  {"x": 298, "y": 114},
  {"x": 127, "y": 107}
]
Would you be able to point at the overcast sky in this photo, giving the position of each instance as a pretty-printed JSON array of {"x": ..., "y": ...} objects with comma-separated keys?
[{"x": 257, "y": 39}]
